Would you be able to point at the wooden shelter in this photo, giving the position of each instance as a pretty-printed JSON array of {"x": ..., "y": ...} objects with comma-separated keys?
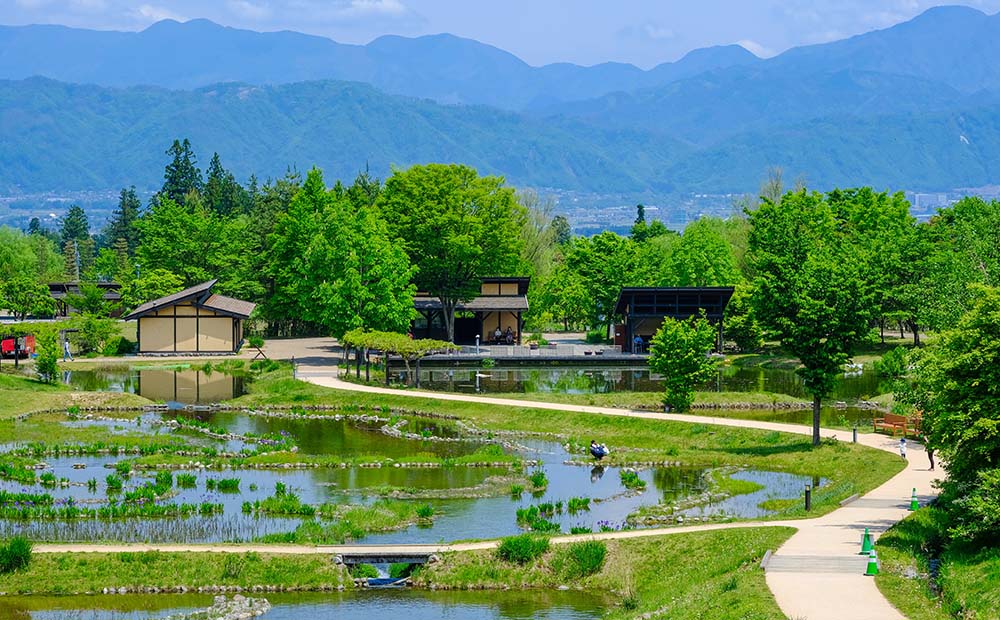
[
  {"x": 643, "y": 311},
  {"x": 61, "y": 290},
  {"x": 194, "y": 320},
  {"x": 501, "y": 304}
]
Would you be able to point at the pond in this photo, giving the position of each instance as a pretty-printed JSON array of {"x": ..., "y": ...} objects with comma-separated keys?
[
  {"x": 473, "y": 511},
  {"x": 606, "y": 380},
  {"x": 387, "y": 604},
  {"x": 177, "y": 386}
]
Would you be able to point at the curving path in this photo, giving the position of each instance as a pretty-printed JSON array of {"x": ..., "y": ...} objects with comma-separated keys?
[{"x": 816, "y": 574}]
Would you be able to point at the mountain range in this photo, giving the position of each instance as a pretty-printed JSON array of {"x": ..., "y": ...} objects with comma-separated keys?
[{"x": 915, "y": 106}]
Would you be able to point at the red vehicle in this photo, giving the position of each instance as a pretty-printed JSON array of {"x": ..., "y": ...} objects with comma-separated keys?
[{"x": 25, "y": 346}]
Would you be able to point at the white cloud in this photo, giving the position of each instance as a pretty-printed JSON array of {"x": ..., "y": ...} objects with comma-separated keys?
[
  {"x": 756, "y": 48},
  {"x": 152, "y": 13},
  {"x": 249, "y": 10},
  {"x": 374, "y": 7}
]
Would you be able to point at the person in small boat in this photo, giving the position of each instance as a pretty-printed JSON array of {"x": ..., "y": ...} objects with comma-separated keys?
[{"x": 598, "y": 450}]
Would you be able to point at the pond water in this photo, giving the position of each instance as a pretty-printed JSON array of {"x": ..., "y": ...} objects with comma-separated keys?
[
  {"x": 472, "y": 516},
  {"x": 386, "y": 604},
  {"x": 182, "y": 386},
  {"x": 606, "y": 380}
]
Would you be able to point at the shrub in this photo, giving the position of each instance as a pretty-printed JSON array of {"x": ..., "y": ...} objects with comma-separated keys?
[
  {"x": 581, "y": 559},
  {"x": 118, "y": 345},
  {"x": 364, "y": 571},
  {"x": 398, "y": 570},
  {"x": 597, "y": 336},
  {"x": 893, "y": 364},
  {"x": 488, "y": 362},
  {"x": 15, "y": 555},
  {"x": 522, "y": 549}
]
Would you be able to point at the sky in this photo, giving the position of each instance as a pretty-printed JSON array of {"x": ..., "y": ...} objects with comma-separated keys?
[{"x": 642, "y": 32}]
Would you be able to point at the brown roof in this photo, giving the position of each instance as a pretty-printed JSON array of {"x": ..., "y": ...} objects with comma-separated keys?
[
  {"x": 483, "y": 303},
  {"x": 229, "y": 305}
]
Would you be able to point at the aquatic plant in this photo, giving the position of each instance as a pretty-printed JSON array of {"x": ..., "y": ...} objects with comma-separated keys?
[
  {"x": 516, "y": 490},
  {"x": 631, "y": 480},
  {"x": 15, "y": 555},
  {"x": 425, "y": 511},
  {"x": 538, "y": 479},
  {"x": 577, "y": 504},
  {"x": 114, "y": 483},
  {"x": 187, "y": 481}
]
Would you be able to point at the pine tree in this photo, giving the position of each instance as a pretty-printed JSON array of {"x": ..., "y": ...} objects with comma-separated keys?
[
  {"x": 181, "y": 175},
  {"x": 223, "y": 194},
  {"x": 122, "y": 225},
  {"x": 74, "y": 225}
]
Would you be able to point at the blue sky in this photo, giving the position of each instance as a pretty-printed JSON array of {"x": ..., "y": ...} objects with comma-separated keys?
[{"x": 643, "y": 32}]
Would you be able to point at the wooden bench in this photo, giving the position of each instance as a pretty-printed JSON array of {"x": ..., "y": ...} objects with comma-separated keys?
[{"x": 892, "y": 422}]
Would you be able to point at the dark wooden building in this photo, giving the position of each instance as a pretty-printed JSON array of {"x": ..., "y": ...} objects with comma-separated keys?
[
  {"x": 61, "y": 290},
  {"x": 501, "y": 305},
  {"x": 643, "y": 310}
]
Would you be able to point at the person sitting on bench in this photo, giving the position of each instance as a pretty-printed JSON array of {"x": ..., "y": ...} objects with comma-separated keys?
[
  {"x": 509, "y": 336},
  {"x": 497, "y": 335}
]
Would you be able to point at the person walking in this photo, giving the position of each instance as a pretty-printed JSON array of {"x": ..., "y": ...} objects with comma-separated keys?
[
  {"x": 902, "y": 447},
  {"x": 66, "y": 351}
]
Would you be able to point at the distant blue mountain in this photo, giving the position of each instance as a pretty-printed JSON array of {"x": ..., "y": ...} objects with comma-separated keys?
[{"x": 442, "y": 67}]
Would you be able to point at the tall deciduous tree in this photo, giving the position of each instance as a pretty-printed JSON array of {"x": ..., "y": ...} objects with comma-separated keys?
[
  {"x": 957, "y": 385},
  {"x": 456, "y": 226},
  {"x": 356, "y": 277},
  {"x": 24, "y": 297},
  {"x": 680, "y": 352},
  {"x": 604, "y": 263},
  {"x": 809, "y": 288}
]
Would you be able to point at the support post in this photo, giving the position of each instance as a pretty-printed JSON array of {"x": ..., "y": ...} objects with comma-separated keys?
[
  {"x": 368, "y": 366},
  {"x": 416, "y": 376}
]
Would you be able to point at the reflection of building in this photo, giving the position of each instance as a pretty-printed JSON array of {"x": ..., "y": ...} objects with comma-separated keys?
[
  {"x": 59, "y": 291},
  {"x": 643, "y": 311},
  {"x": 501, "y": 303},
  {"x": 192, "y": 321},
  {"x": 186, "y": 386}
]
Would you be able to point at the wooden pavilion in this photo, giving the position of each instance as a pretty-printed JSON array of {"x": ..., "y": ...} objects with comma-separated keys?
[
  {"x": 643, "y": 311},
  {"x": 194, "y": 320},
  {"x": 501, "y": 305}
]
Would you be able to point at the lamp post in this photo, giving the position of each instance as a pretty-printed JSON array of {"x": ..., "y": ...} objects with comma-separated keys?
[{"x": 808, "y": 497}]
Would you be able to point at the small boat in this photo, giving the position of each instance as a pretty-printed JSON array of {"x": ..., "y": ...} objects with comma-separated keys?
[{"x": 387, "y": 582}]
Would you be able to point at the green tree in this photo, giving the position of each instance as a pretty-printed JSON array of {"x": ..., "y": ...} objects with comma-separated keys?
[
  {"x": 680, "y": 352},
  {"x": 124, "y": 219},
  {"x": 604, "y": 263},
  {"x": 456, "y": 226},
  {"x": 17, "y": 257},
  {"x": 90, "y": 301},
  {"x": 222, "y": 193},
  {"x": 47, "y": 353},
  {"x": 561, "y": 230},
  {"x": 355, "y": 277},
  {"x": 288, "y": 245},
  {"x": 702, "y": 257},
  {"x": 24, "y": 297},
  {"x": 809, "y": 288},
  {"x": 151, "y": 284},
  {"x": 957, "y": 385},
  {"x": 564, "y": 297},
  {"x": 181, "y": 177},
  {"x": 93, "y": 332},
  {"x": 75, "y": 226},
  {"x": 741, "y": 325}
]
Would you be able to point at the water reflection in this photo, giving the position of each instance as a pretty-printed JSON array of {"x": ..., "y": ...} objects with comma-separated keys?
[
  {"x": 409, "y": 604},
  {"x": 606, "y": 380},
  {"x": 184, "y": 386}
]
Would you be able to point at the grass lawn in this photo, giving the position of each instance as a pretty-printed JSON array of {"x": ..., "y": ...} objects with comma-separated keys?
[
  {"x": 78, "y": 573},
  {"x": 850, "y": 468},
  {"x": 696, "y": 575},
  {"x": 968, "y": 582},
  {"x": 22, "y": 394}
]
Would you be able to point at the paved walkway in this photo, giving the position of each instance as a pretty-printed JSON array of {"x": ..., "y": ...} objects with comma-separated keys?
[{"x": 816, "y": 574}]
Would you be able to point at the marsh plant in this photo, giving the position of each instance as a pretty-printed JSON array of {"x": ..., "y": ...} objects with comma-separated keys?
[
  {"x": 631, "y": 480},
  {"x": 538, "y": 479},
  {"x": 187, "y": 481},
  {"x": 522, "y": 549},
  {"x": 15, "y": 554}
]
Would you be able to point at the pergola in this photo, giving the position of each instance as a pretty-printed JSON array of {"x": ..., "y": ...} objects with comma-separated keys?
[{"x": 643, "y": 309}]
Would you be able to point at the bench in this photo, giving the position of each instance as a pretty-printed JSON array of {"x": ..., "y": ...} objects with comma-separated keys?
[{"x": 892, "y": 422}]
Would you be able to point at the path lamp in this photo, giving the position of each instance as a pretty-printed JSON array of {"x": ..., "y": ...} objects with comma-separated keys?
[
  {"x": 808, "y": 497},
  {"x": 855, "y": 433},
  {"x": 477, "y": 344}
]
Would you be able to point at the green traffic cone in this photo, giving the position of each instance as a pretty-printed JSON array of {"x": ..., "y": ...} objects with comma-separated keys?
[
  {"x": 914, "y": 504},
  {"x": 872, "y": 569},
  {"x": 866, "y": 543}
]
